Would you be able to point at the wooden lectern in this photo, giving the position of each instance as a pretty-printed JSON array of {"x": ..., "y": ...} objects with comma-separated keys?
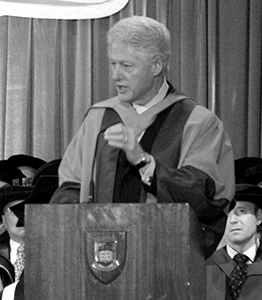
[{"x": 113, "y": 252}]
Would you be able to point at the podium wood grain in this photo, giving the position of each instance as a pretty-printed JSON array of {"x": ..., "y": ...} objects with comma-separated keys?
[{"x": 164, "y": 260}]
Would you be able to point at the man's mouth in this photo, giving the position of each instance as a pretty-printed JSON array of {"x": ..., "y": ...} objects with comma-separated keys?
[
  {"x": 121, "y": 88},
  {"x": 235, "y": 229}
]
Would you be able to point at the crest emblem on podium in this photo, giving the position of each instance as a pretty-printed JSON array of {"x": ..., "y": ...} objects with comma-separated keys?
[{"x": 106, "y": 254}]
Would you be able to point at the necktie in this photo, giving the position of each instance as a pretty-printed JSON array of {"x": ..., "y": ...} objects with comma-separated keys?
[
  {"x": 238, "y": 275},
  {"x": 20, "y": 262}
]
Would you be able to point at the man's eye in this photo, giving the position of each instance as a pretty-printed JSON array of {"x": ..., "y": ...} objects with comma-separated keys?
[
  {"x": 242, "y": 211},
  {"x": 128, "y": 67}
]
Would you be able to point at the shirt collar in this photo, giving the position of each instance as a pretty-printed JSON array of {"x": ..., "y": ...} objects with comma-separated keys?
[
  {"x": 250, "y": 253},
  {"x": 159, "y": 97},
  {"x": 13, "y": 245}
]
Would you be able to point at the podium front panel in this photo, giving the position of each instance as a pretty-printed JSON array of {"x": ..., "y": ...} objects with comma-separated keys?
[{"x": 113, "y": 252}]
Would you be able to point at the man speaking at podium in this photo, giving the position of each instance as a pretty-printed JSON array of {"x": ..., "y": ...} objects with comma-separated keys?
[{"x": 150, "y": 143}]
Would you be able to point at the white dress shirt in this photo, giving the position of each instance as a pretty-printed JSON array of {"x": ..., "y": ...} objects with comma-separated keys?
[
  {"x": 13, "y": 253},
  {"x": 250, "y": 253}
]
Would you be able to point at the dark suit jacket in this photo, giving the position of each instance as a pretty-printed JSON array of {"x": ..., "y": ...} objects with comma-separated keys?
[
  {"x": 6, "y": 268},
  {"x": 19, "y": 290},
  {"x": 220, "y": 265}
]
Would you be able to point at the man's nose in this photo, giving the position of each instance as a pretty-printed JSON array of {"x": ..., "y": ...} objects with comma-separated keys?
[
  {"x": 233, "y": 218},
  {"x": 117, "y": 72}
]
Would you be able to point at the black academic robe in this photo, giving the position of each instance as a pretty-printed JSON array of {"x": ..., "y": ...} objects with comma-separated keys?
[
  {"x": 193, "y": 155},
  {"x": 218, "y": 268}
]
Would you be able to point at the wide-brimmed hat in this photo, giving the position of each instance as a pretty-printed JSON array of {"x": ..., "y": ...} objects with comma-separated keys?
[
  {"x": 248, "y": 170},
  {"x": 41, "y": 194},
  {"x": 8, "y": 172},
  {"x": 44, "y": 184},
  {"x": 48, "y": 169},
  {"x": 10, "y": 194},
  {"x": 249, "y": 193},
  {"x": 20, "y": 160}
]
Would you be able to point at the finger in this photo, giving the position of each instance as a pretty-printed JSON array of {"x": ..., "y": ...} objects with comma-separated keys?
[
  {"x": 116, "y": 133},
  {"x": 115, "y": 129},
  {"x": 117, "y": 137}
]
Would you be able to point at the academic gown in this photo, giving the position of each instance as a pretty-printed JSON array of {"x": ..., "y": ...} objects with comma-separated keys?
[
  {"x": 220, "y": 265},
  {"x": 193, "y": 154}
]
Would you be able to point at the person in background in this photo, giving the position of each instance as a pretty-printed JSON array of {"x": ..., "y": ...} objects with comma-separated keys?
[
  {"x": 150, "y": 143},
  {"x": 235, "y": 271},
  {"x": 11, "y": 250},
  {"x": 13, "y": 200},
  {"x": 28, "y": 165},
  {"x": 8, "y": 175}
]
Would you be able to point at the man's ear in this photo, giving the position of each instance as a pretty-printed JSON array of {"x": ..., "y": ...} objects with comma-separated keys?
[
  {"x": 3, "y": 219},
  {"x": 159, "y": 65},
  {"x": 259, "y": 216}
]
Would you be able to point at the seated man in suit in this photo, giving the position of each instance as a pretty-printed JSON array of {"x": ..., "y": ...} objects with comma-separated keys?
[{"x": 235, "y": 271}]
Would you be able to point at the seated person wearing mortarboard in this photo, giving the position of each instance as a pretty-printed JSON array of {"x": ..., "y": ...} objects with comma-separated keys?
[
  {"x": 229, "y": 274},
  {"x": 12, "y": 206},
  {"x": 28, "y": 165}
]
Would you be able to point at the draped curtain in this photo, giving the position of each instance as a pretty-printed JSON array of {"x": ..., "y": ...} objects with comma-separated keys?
[{"x": 53, "y": 70}]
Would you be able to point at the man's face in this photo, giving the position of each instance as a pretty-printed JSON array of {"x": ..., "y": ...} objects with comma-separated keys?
[
  {"x": 242, "y": 224},
  {"x": 133, "y": 74}
]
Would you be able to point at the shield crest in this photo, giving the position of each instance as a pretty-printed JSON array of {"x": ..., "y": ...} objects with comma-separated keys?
[{"x": 106, "y": 254}]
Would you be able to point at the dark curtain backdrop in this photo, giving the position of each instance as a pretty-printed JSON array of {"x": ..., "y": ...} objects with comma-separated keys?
[{"x": 53, "y": 70}]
